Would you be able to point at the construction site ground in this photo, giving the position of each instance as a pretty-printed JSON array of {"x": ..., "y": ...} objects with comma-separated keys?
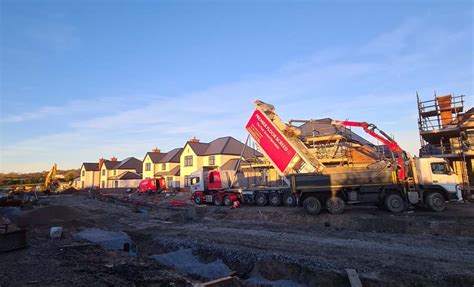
[{"x": 258, "y": 246}]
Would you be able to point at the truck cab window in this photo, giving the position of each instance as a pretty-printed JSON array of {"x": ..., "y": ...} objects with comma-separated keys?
[
  {"x": 439, "y": 168},
  {"x": 194, "y": 180}
]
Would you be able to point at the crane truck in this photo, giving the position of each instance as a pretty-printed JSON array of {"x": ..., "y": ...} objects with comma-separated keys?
[{"x": 395, "y": 182}]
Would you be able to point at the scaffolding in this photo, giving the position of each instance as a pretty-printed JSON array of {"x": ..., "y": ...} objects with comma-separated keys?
[{"x": 446, "y": 131}]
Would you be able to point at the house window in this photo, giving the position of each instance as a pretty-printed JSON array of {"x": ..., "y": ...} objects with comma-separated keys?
[
  {"x": 83, "y": 173},
  {"x": 115, "y": 172},
  {"x": 116, "y": 184},
  {"x": 212, "y": 160},
  {"x": 103, "y": 172},
  {"x": 147, "y": 166},
  {"x": 169, "y": 181},
  {"x": 163, "y": 166},
  {"x": 186, "y": 181},
  {"x": 188, "y": 160},
  {"x": 82, "y": 184},
  {"x": 103, "y": 184}
]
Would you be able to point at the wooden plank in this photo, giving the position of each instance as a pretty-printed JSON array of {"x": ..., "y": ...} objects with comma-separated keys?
[
  {"x": 353, "y": 278},
  {"x": 224, "y": 281}
]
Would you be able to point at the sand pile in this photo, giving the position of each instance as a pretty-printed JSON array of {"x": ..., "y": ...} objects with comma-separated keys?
[{"x": 52, "y": 214}]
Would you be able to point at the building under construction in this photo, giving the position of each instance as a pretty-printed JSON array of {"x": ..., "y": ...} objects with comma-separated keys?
[
  {"x": 332, "y": 145},
  {"x": 336, "y": 145},
  {"x": 447, "y": 130}
]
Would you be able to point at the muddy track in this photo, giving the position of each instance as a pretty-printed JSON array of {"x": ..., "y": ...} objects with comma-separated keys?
[
  {"x": 278, "y": 244},
  {"x": 386, "y": 249},
  {"x": 419, "y": 260}
]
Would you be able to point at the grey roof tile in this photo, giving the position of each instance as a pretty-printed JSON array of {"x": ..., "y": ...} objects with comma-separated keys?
[{"x": 91, "y": 166}]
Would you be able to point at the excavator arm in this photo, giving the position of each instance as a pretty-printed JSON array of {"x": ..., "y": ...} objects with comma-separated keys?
[
  {"x": 380, "y": 135},
  {"x": 49, "y": 181}
]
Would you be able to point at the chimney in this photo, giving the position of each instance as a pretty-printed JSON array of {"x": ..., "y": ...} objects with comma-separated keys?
[
  {"x": 194, "y": 140},
  {"x": 101, "y": 162},
  {"x": 156, "y": 150},
  {"x": 113, "y": 158},
  {"x": 445, "y": 108}
]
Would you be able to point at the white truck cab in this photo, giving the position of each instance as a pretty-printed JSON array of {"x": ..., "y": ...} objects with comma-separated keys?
[
  {"x": 197, "y": 181},
  {"x": 436, "y": 171},
  {"x": 203, "y": 180}
]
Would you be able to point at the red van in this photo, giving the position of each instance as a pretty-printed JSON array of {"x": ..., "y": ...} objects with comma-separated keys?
[{"x": 152, "y": 185}]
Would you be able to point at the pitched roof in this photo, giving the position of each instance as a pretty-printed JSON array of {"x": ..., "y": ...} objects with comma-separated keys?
[
  {"x": 217, "y": 146},
  {"x": 129, "y": 175},
  {"x": 155, "y": 156},
  {"x": 224, "y": 145},
  {"x": 323, "y": 127},
  {"x": 172, "y": 156},
  {"x": 109, "y": 164},
  {"x": 230, "y": 146},
  {"x": 91, "y": 166},
  {"x": 174, "y": 172},
  {"x": 231, "y": 164},
  {"x": 198, "y": 147},
  {"x": 130, "y": 163}
]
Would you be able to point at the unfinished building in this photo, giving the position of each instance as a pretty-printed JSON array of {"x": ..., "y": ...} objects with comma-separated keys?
[
  {"x": 336, "y": 145},
  {"x": 447, "y": 130}
]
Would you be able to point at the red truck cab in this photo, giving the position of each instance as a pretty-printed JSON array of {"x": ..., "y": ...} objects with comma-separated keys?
[{"x": 152, "y": 185}]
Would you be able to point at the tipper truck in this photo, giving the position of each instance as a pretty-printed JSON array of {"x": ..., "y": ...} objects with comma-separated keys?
[{"x": 394, "y": 183}]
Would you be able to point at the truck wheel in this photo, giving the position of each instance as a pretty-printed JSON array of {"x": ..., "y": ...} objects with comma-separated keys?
[
  {"x": 312, "y": 205},
  {"x": 435, "y": 201},
  {"x": 395, "y": 203},
  {"x": 261, "y": 199},
  {"x": 197, "y": 199},
  {"x": 217, "y": 200},
  {"x": 274, "y": 199},
  {"x": 289, "y": 200},
  {"x": 227, "y": 201},
  {"x": 335, "y": 205}
]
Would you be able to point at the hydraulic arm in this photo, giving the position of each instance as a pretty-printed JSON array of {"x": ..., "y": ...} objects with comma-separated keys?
[{"x": 372, "y": 130}]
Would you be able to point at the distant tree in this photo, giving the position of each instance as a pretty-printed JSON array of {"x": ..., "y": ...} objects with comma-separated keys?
[{"x": 70, "y": 175}]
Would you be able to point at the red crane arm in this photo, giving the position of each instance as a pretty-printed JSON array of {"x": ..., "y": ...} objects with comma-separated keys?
[{"x": 371, "y": 129}]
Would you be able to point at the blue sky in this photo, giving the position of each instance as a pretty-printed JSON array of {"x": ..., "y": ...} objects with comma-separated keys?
[{"x": 82, "y": 80}]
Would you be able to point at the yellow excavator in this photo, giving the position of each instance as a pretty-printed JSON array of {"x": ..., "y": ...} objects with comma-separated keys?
[{"x": 51, "y": 183}]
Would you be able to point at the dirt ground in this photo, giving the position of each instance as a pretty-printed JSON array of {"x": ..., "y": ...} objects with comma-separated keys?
[{"x": 260, "y": 246}]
